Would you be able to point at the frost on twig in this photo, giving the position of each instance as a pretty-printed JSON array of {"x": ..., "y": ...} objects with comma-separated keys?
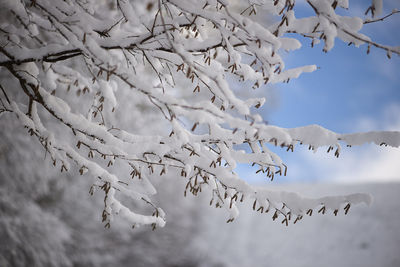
[{"x": 126, "y": 92}]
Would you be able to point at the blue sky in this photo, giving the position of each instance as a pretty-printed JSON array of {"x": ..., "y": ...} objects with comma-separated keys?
[{"x": 351, "y": 91}]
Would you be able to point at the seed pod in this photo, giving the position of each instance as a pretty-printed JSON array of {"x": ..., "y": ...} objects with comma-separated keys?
[
  {"x": 275, "y": 215},
  {"x": 322, "y": 210},
  {"x": 346, "y": 209}
]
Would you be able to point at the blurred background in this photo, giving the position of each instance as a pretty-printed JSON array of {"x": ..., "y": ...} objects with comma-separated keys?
[{"x": 48, "y": 218}]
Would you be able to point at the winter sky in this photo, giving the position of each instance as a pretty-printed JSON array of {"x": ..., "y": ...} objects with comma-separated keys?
[{"x": 350, "y": 92}]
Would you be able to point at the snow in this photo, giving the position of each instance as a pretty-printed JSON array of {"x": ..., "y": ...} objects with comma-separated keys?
[
  {"x": 378, "y": 5},
  {"x": 107, "y": 89},
  {"x": 389, "y": 138},
  {"x": 314, "y": 135}
]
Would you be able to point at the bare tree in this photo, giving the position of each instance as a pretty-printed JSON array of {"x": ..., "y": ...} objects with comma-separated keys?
[{"x": 140, "y": 88}]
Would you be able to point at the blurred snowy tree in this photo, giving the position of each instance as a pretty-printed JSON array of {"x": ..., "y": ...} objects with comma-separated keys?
[
  {"x": 48, "y": 218},
  {"x": 129, "y": 91}
]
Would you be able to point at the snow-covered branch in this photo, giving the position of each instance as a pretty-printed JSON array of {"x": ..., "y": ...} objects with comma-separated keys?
[{"x": 144, "y": 88}]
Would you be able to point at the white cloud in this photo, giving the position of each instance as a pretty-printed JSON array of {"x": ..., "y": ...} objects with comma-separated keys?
[
  {"x": 368, "y": 163},
  {"x": 371, "y": 164}
]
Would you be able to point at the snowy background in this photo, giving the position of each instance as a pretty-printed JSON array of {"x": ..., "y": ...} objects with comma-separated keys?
[{"x": 49, "y": 219}]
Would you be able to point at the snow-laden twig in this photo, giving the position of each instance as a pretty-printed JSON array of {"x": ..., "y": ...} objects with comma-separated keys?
[{"x": 128, "y": 92}]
